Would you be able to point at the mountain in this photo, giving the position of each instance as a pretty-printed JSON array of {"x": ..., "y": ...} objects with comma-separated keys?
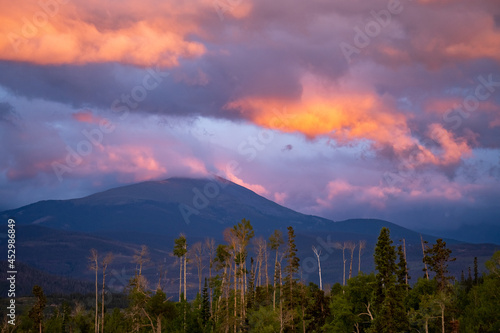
[
  {"x": 56, "y": 235},
  {"x": 170, "y": 206}
]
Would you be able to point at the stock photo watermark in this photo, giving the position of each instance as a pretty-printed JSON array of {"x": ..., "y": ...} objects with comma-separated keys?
[
  {"x": 486, "y": 87},
  {"x": 363, "y": 35},
  {"x": 121, "y": 106},
  {"x": 11, "y": 271},
  {"x": 249, "y": 149},
  {"x": 224, "y": 6},
  {"x": 30, "y": 26}
]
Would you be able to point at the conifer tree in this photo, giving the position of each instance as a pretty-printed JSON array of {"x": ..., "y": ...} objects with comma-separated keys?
[
  {"x": 292, "y": 267},
  {"x": 205, "y": 305},
  {"x": 36, "y": 312},
  {"x": 437, "y": 257},
  {"x": 390, "y": 316}
]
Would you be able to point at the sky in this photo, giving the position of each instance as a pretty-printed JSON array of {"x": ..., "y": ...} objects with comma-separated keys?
[{"x": 342, "y": 109}]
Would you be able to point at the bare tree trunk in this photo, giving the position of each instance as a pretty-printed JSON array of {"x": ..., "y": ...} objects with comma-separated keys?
[
  {"x": 158, "y": 325},
  {"x": 318, "y": 254},
  {"x": 94, "y": 266},
  {"x": 267, "y": 276},
  {"x": 180, "y": 278},
  {"x": 274, "y": 281},
  {"x": 423, "y": 253},
  {"x": 185, "y": 264},
  {"x": 351, "y": 246},
  {"x": 210, "y": 245},
  {"x": 362, "y": 244},
  {"x": 344, "y": 260},
  {"x": 406, "y": 263},
  {"x": 281, "y": 300},
  {"x": 105, "y": 263},
  {"x": 260, "y": 258},
  {"x": 242, "y": 291},
  {"x": 235, "y": 293},
  {"x": 442, "y": 316}
]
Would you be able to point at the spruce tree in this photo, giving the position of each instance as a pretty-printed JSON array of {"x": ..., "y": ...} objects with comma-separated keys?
[
  {"x": 205, "y": 305},
  {"x": 36, "y": 312},
  {"x": 390, "y": 315},
  {"x": 437, "y": 257},
  {"x": 291, "y": 269}
]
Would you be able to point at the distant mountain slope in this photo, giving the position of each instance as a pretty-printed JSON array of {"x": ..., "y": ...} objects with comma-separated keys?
[
  {"x": 51, "y": 283},
  {"x": 57, "y": 235},
  {"x": 156, "y": 207}
]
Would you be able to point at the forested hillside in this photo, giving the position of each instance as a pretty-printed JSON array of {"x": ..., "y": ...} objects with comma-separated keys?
[{"x": 265, "y": 292}]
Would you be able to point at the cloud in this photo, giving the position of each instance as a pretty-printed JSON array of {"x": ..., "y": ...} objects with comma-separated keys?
[
  {"x": 60, "y": 32},
  {"x": 267, "y": 67}
]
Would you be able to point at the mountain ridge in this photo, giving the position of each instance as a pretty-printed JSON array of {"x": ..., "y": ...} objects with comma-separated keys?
[{"x": 121, "y": 219}]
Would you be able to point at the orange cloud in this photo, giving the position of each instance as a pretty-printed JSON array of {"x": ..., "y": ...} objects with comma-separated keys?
[
  {"x": 452, "y": 149},
  {"x": 59, "y": 32},
  {"x": 342, "y": 114},
  {"x": 349, "y": 116}
]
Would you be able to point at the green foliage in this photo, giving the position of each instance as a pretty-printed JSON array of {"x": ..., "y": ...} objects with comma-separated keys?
[
  {"x": 205, "y": 306},
  {"x": 317, "y": 308},
  {"x": 437, "y": 257},
  {"x": 390, "y": 315},
  {"x": 264, "y": 320},
  {"x": 343, "y": 317},
  {"x": 351, "y": 307},
  {"x": 36, "y": 312},
  {"x": 373, "y": 303},
  {"x": 180, "y": 246},
  {"x": 481, "y": 312},
  {"x": 116, "y": 322}
]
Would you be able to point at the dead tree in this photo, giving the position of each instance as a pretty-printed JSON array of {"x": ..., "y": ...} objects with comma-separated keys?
[
  {"x": 197, "y": 254},
  {"x": 94, "y": 265},
  {"x": 361, "y": 246},
  {"x": 210, "y": 246},
  {"x": 104, "y": 264},
  {"x": 318, "y": 254},
  {"x": 260, "y": 246},
  {"x": 341, "y": 246},
  {"x": 351, "y": 246},
  {"x": 141, "y": 258},
  {"x": 423, "y": 253}
]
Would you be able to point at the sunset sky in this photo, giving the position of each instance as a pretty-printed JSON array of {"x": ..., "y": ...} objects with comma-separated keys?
[{"x": 342, "y": 109}]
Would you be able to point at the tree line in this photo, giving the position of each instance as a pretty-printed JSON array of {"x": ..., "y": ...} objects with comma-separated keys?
[{"x": 243, "y": 294}]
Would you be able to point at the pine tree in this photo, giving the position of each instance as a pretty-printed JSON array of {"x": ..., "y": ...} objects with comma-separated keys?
[
  {"x": 291, "y": 269},
  {"x": 205, "y": 305},
  {"x": 437, "y": 257},
  {"x": 403, "y": 276},
  {"x": 36, "y": 312},
  {"x": 390, "y": 315}
]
